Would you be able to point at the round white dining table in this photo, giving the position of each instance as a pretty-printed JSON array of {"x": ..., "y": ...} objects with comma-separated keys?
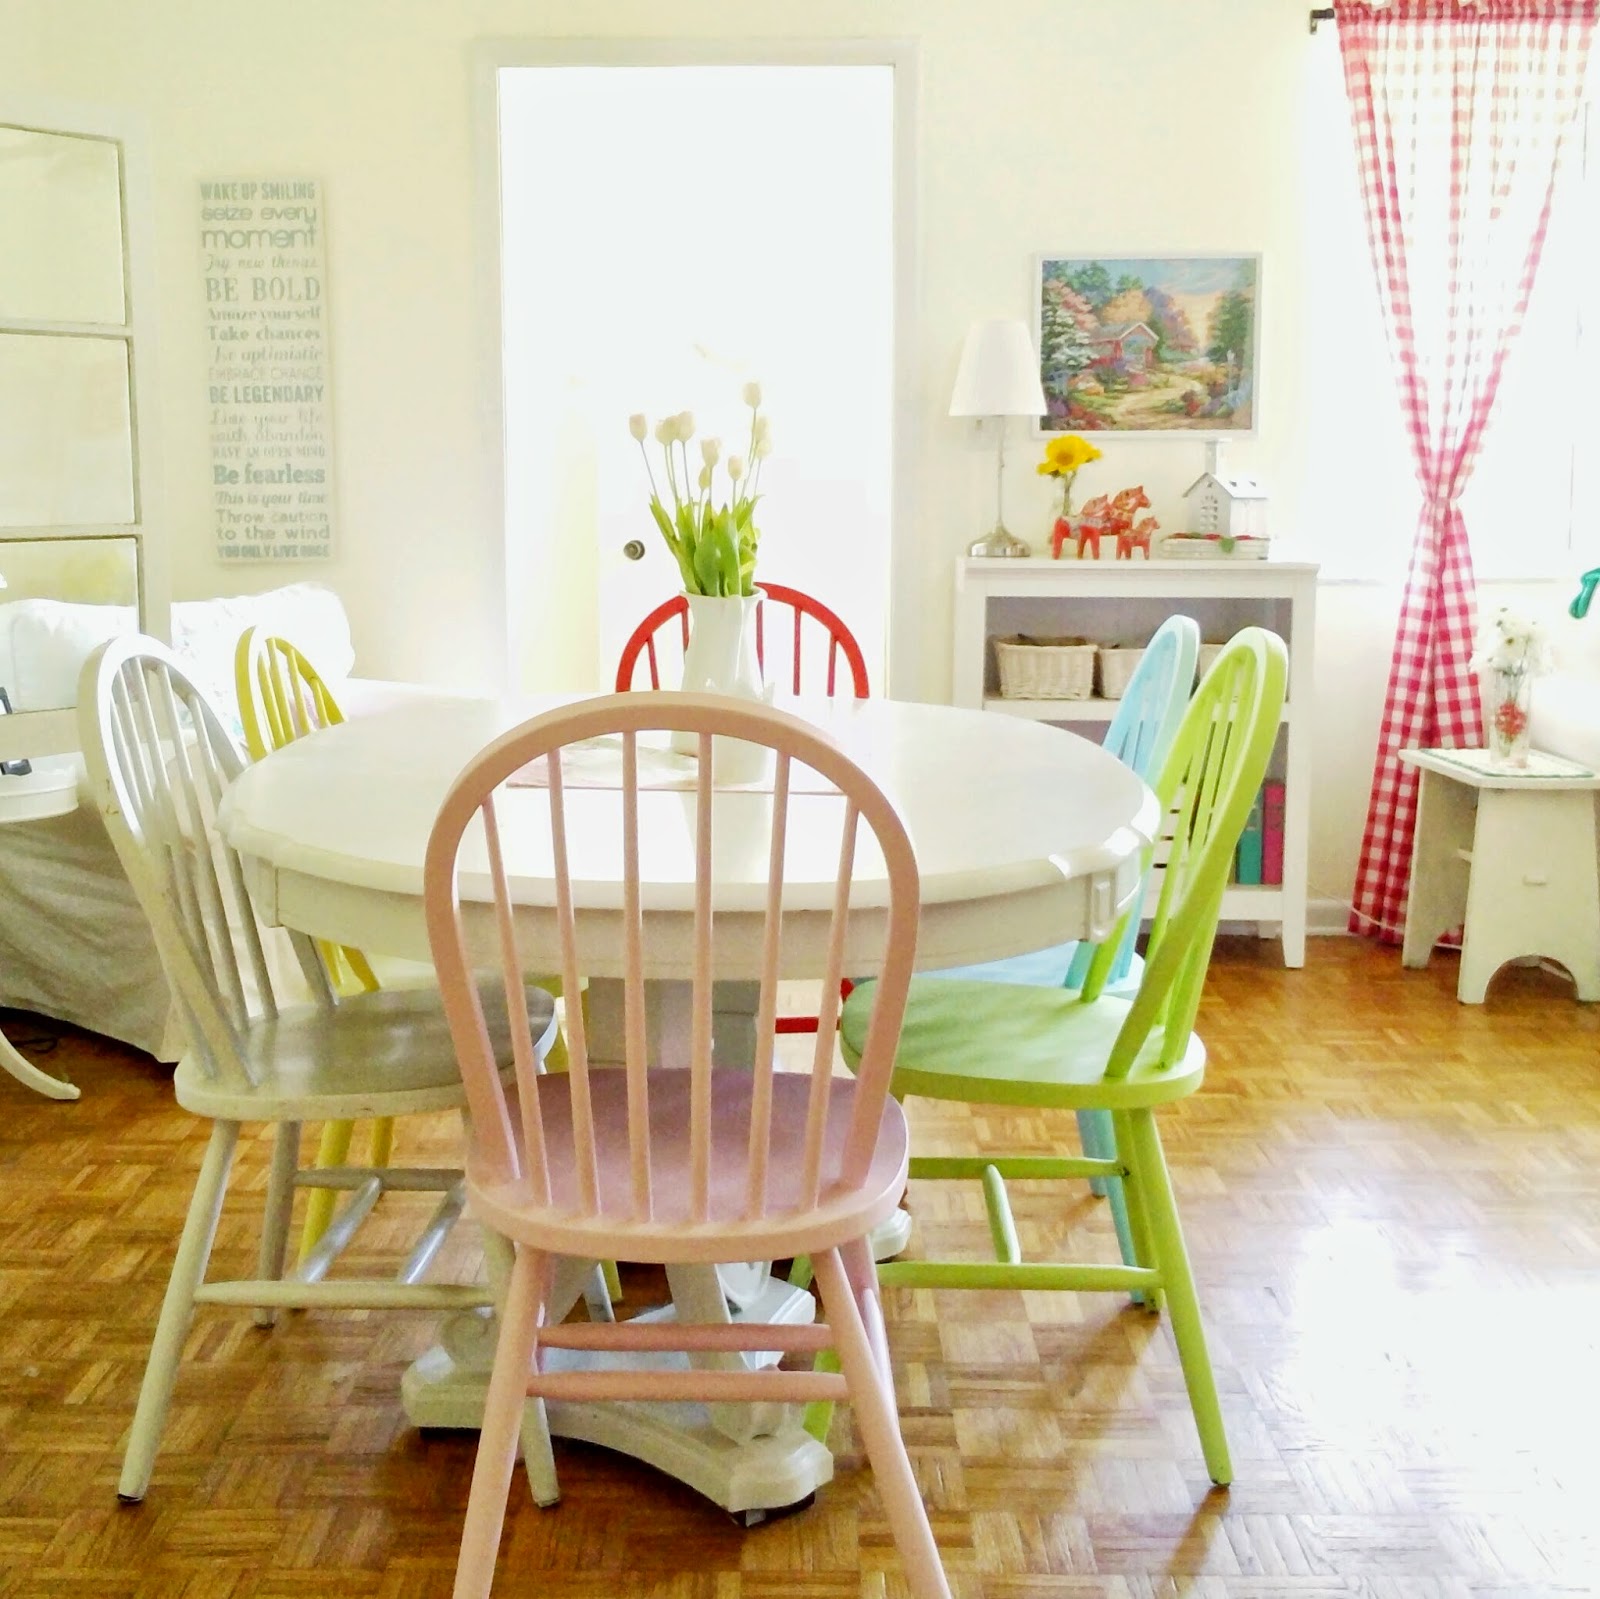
[{"x": 1025, "y": 836}]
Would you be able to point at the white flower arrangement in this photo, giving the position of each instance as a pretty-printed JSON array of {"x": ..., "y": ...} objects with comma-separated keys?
[
  {"x": 714, "y": 545},
  {"x": 1512, "y": 643}
]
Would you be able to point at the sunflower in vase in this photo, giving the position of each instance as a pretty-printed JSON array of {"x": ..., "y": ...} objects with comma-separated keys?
[{"x": 1064, "y": 456}]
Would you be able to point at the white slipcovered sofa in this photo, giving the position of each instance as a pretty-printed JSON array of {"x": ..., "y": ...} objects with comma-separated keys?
[{"x": 73, "y": 942}]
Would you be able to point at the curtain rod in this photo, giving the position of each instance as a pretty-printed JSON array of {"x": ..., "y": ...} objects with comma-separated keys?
[{"x": 1324, "y": 14}]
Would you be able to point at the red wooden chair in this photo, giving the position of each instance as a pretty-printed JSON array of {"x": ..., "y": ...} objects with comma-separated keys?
[{"x": 840, "y": 641}]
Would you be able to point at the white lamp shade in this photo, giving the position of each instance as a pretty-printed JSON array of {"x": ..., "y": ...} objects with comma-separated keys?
[{"x": 999, "y": 372}]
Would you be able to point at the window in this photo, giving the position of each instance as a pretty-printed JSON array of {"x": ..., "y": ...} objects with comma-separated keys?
[
  {"x": 75, "y": 491},
  {"x": 1533, "y": 505}
]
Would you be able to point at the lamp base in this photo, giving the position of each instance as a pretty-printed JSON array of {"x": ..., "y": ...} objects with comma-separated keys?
[{"x": 1001, "y": 542}]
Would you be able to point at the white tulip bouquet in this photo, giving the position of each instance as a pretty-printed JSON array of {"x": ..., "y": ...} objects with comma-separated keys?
[
  {"x": 1512, "y": 643},
  {"x": 714, "y": 544}
]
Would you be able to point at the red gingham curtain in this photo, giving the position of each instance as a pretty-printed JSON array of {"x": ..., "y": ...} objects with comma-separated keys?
[{"x": 1459, "y": 111}]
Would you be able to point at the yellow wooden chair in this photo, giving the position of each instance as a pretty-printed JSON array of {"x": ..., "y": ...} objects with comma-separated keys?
[{"x": 283, "y": 697}]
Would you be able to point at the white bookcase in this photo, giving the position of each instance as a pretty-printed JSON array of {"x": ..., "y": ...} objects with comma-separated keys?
[{"x": 1123, "y": 602}]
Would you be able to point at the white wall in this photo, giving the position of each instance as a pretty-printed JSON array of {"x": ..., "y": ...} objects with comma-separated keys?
[{"x": 1123, "y": 125}]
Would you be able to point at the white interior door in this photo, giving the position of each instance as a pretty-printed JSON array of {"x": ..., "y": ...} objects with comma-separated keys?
[{"x": 668, "y": 233}]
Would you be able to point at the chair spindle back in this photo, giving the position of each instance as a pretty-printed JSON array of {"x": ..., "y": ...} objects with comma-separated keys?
[
  {"x": 160, "y": 760},
  {"x": 1139, "y": 736},
  {"x": 282, "y": 696},
  {"x": 740, "y": 822},
  {"x": 1206, "y": 787}
]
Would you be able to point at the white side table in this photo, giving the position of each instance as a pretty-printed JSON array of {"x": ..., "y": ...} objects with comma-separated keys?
[
  {"x": 1510, "y": 858},
  {"x": 50, "y": 789}
]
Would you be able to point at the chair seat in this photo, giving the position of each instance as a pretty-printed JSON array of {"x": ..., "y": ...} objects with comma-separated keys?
[
  {"x": 670, "y": 1236},
  {"x": 384, "y": 1053},
  {"x": 1042, "y": 968},
  {"x": 1003, "y": 1044}
]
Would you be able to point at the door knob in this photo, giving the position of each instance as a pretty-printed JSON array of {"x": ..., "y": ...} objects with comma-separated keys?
[{"x": 634, "y": 549}]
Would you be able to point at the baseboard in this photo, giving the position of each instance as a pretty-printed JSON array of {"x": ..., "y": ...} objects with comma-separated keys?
[{"x": 1327, "y": 918}]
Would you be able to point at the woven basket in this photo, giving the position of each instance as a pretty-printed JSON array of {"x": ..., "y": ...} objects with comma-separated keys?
[
  {"x": 1045, "y": 668},
  {"x": 1117, "y": 666}
]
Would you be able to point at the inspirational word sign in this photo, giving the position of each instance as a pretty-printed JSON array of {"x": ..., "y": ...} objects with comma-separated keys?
[{"x": 267, "y": 325}]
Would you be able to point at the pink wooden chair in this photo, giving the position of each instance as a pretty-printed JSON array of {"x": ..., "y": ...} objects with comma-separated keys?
[{"x": 677, "y": 1165}]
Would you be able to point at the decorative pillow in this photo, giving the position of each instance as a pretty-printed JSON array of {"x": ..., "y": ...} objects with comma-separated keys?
[
  {"x": 50, "y": 641},
  {"x": 44, "y": 643},
  {"x": 205, "y": 634}
]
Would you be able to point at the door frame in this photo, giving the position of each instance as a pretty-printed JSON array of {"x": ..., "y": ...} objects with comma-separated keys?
[{"x": 902, "y": 633}]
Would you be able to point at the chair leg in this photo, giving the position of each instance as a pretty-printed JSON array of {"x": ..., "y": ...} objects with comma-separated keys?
[
  {"x": 880, "y": 1426},
  {"x": 557, "y": 1059},
  {"x": 597, "y": 1293},
  {"x": 332, "y": 1150},
  {"x": 1138, "y": 1220},
  {"x": 188, "y": 1272},
  {"x": 276, "y": 1212},
  {"x": 382, "y": 1142},
  {"x": 861, "y": 1272},
  {"x": 1147, "y": 1168},
  {"x": 502, "y": 1422},
  {"x": 1093, "y": 1136},
  {"x": 1100, "y": 1143},
  {"x": 538, "y": 1458},
  {"x": 817, "y": 1417}
]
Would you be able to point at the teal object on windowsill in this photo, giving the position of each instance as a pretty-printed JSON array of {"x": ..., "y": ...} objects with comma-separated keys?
[{"x": 1580, "y": 606}]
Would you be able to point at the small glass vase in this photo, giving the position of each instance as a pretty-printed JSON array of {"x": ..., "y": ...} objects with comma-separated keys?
[{"x": 1506, "y": 721}]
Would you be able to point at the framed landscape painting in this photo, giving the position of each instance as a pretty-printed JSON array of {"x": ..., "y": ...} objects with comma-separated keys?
[{"x": 1148, "y": 344}]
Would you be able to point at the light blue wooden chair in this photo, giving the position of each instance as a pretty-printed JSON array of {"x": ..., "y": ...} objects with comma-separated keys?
[{"x": 1140, "y": 735}]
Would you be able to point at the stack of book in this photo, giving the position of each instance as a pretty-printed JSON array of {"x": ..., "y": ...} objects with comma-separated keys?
[{"x": 1259, "y": 858}]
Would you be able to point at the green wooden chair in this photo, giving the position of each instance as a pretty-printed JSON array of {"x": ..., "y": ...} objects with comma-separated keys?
[
  {"x": 989, "y": 1044},
  {"x": 1139, "y": 736}
]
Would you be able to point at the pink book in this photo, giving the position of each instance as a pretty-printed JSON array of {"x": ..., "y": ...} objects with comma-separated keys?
[{"x": 1272, "y": 831}]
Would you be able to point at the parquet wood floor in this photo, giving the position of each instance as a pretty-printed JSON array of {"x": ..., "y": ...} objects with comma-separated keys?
[{"x": 1393, "y": 1203}]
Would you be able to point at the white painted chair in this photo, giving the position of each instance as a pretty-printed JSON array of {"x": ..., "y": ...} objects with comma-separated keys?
[{"x": 159, "y": 761}]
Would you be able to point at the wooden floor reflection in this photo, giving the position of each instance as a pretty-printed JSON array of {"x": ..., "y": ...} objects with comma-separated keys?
[{"x": 1393, "y": 1204}]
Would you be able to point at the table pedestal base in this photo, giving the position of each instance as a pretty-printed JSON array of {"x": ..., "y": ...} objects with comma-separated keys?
[{"x": 445, "y": 1388}]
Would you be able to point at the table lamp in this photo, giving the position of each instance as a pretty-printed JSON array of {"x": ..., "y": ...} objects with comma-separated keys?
[{"x": 998, "y": 377}]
